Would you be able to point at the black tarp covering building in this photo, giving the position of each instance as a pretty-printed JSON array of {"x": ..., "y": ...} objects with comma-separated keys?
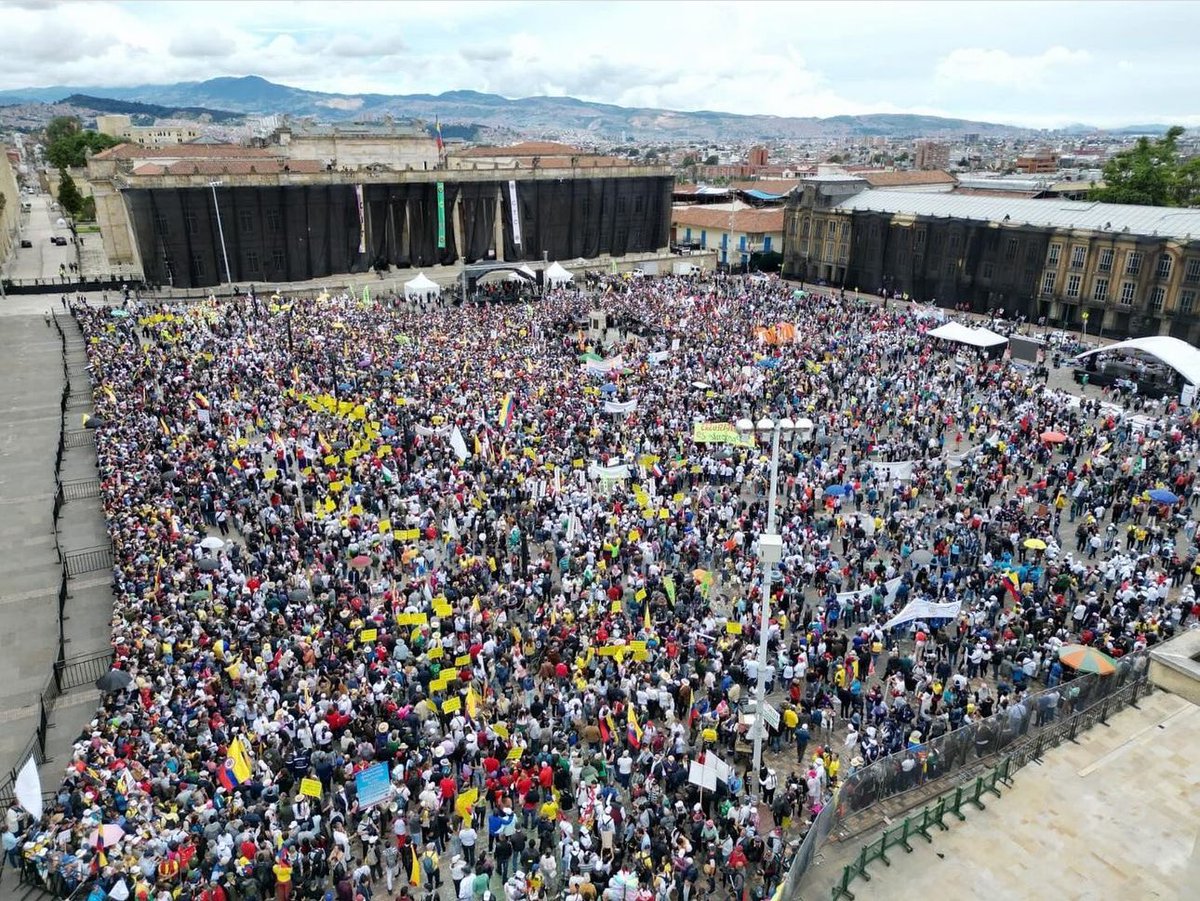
[{"x": 300, "y": 232}]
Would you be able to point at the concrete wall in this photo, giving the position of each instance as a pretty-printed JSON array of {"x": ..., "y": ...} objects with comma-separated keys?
[
  {"x": 356, "y": 152},
  {"x": 115, "y": 229},
  {"x": 1175, "y": 666}
]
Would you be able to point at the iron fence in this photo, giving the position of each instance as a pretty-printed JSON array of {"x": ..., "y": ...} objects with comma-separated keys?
[
  {"x": 79, "y": 489},
  {"x": 76, "y": 672},
  {"x": 89, "y": 560},
  {"x": 1023, "y": 731}
]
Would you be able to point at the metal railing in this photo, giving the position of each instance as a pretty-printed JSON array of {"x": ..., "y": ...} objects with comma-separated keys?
[
  {"x": 76, "y": 672},
  {"x": 1023, "y": 732},
  {"x": 79, "y": 489},
  {"x": 89, "y": 560}
]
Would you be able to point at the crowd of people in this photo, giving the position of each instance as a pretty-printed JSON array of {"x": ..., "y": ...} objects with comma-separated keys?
[{"x": 482, "y": 547}]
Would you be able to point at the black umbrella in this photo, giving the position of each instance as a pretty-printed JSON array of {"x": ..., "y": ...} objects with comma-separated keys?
[
  {"x": 207, "y": 565},
  {"x": 114, "y": 680},
  {"x": 299, "y": 594},
  {"x": 94, "y": 422}
]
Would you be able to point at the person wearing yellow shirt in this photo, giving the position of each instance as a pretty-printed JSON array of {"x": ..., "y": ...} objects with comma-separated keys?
[{"x": 283, "y": 879}]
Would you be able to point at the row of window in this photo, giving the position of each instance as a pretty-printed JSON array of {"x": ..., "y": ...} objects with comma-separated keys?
[
  {"x": 1127, "y": 296},
  {"x": 1133, "y": 262},
  {"x": 252, "y": 258}
]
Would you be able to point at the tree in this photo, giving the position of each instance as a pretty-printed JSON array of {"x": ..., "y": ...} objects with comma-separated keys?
[
  {"x": 688, "y": 160},
  {"x": 67, "y": 144},
  {"x": 835, "y": 158},
  {"x": 68, "y": 193},
  {"x": 712, "y": 160},
  {"x": 87, "y": 210},
  {"x": 62, "y": 127},
  {"x": 1150, "y": 174}
]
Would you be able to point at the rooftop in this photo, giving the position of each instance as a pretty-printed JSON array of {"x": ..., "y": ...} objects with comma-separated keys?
[
  {"x": 896, "y": 179},
  {"x": 527, "y": 148},
  {"x": 1168, "y": 222},
  {"x": 229, "y": 167},
  {"x": 746, "y": 220},
  {"x": 184, "y": 152}
]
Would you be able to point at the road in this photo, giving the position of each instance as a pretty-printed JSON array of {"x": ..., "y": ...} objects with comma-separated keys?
[{"x": 42, "y": 260}]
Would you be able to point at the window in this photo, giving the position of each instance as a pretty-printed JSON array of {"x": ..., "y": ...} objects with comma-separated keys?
[
  {"x": 1164, "y": 267},
  {"x": 1053, "y": 255},
  {"x": 586, "y": 206},
  {"x": 189, "y": 222},
  {"x": 1106, "y": 260},
  {"x": 278, "y": 260},
  {"x": 1010, "y": 249},
  {"x": 1187, "y": 300},
  {"x": 160, "y": 224},
  {"x": 620, "y": 206},
  {"x": 843, "y": 254},
  {"x": 252, "y": 261},
  {"x": 987, "y": 270},
  {"x": 936, "y": 240},
  {"x": 819, "y": 229},
  {"x": 638, "y": 202},
  {"x": 829, "y": 251},
  {"x": 245, "y": 222},
  {"x": 197, "y": 265},
  {"x": 273, "y": 221},
  {"x": 1100, "y": 290},
  {"x": 1157, "y": 296},
  {"x": 954, "y": 242},
  {"x": 1128, "y": 290},
  {"x": 952, "y": 267},
  {"x": 919, "y": 240},
  {"x": 1073, "y": 283},
  {"x": 1078, "y": 256},
  {"x": 845, "y": 230},
  {"x": 1191, "y": 274},
  {"x": 1048, "y": 282},
  {"x": 1133, "y": 263},
  {"x": 804, "y": 229}
]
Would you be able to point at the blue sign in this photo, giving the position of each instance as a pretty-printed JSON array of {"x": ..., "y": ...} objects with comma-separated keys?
[{"x": 374, "y": 785}]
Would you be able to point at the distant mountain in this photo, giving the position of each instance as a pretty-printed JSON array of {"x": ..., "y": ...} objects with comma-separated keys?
[
  {"x": 153, "y": 110},
  {"x": 541, "y": 116}
]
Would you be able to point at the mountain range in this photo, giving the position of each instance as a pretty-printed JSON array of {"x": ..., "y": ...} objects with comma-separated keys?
[{"x": 541, "y": 116}]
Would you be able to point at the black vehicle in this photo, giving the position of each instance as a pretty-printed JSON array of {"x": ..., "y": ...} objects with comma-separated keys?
[{"x": 25, "y": 242}]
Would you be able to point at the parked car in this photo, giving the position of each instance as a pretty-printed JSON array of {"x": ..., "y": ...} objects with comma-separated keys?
[
  {"x": 25, "y": 242},
  {"x": 60, "y": 240}
]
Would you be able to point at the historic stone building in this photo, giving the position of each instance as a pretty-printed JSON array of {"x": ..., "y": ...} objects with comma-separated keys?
[{"x": 1131, "y": 270}]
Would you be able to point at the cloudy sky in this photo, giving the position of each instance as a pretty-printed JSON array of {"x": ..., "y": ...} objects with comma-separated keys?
[{"x": 1037, "y": 64}]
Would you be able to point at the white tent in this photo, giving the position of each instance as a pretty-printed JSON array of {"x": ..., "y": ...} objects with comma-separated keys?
[
  {"x": 557, "y": 275},
  {"x": 421, "y": 287},
  {"x": 974, "y": 337},
  {"x": 525, "y": 275},
  {"x": 1179, "y": 355}
]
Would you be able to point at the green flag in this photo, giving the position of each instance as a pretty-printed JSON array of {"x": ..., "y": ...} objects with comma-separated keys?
[
  {"x": 669, "y": 585},
  {"x": 441, "y": 189}
]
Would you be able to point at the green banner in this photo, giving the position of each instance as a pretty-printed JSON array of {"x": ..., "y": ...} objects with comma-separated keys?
[{"x": 441, "y": 215}]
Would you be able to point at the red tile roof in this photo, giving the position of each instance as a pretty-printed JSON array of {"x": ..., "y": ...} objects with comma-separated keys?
[
  {"x": 748, "y": 220},
  {"x": 907, "y": 178},
  {"x": 527, "y": 148},
  {"x": 230, "y": 167}
]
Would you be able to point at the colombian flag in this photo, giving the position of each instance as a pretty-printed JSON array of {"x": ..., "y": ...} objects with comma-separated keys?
[
  {"x": 505, "y": 417},
  {"x": 201, "y": 401},
  {"x": 414, "y": 872},
  {"x": 236, "y": 770},
  {"x": 605, "y": 724},
  {"x": 633, "y": 732},
  {"x": 1012, "y": 584}
]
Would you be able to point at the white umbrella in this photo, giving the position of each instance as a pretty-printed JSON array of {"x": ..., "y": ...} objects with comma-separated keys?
[{"x": 212, "y": 543}]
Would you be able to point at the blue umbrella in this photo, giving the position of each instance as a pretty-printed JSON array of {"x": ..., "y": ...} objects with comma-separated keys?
[
  {"x": 768, "y": 363},
  {"x": 1163, "y": 496},
  {"x": 609, "y": 388},
  {"x": 835, "y": 490},
  {"x": 387, "y": 431}
]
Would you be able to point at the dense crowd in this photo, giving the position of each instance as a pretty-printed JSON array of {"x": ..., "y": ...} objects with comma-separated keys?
[{"x": 481, "y": 547}]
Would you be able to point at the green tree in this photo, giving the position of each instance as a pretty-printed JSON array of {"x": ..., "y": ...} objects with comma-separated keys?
[
  {"x": 70, "y": 148},
  {"x": 87, "y": 210},
  {"x": 68, "y": 193},
  {"x": 62, "y": 127},
  {"x": 689, "y": 159},
  {"x": 1150, "y": 174},
  {"x": 712, "y": 160}
]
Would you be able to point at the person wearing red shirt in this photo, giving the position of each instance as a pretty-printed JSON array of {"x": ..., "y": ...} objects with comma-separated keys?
[{"x": 448, "y": 788}]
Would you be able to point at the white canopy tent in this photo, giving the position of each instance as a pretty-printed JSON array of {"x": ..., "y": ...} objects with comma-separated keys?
[
  {"x": 974, "y": 337},
  {"x": 421, "y": 286},
  {"x": 1179, "y": 355},
  {"x": 557, "y": 275}
]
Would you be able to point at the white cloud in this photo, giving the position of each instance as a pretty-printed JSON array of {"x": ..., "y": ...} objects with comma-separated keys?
[{"x": 1003, "y": 69}]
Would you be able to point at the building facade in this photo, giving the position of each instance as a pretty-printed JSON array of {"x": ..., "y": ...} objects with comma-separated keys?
[
  {"x": 735, "y": 234},
  {"x": 121, "y": 126},
  {"x": 1131, "y": 271},
  {"x": 10, "y": 206},
  {"x": 932, "y": 155}
]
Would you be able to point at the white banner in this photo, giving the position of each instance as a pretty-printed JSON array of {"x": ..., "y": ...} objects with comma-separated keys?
[
  {"x": 458, "y": 445},
  {"x": 362, "y": 220},
  {"x": 516, "y": 212},
  {"x": 902, "y": 470},
  {"x": 659, "y": 356},
  {"x": 924, "y": 610},
  {"x": 604, "y": 367},
  {"x": 613, "y": 406},
  {"x": 596, "y": 471},
  {"x": 849, "y": 597}
]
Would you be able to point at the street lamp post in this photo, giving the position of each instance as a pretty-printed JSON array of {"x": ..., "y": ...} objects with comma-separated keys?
[
  {"x": 770, "y": 552},
  {"x": 221, "y": 230}
]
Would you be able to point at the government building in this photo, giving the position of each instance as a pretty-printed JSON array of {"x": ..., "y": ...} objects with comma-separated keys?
[
  {"x": 199, "y": 215},
  {"x": 1130, "y": 271}
]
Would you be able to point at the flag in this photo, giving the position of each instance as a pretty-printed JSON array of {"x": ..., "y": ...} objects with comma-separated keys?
[
  {"x": 505, "y": 417},
  {"x": 633, "y": 732},
  {"x": 414, "y": 872},
  {"x": 236, "y": 770},
  {"x": 458, "y": 444},
  {"x": 657, "y": 470},
  {"x": 478, "y": 450},
  {"x": 669, "y": 585},
  {"x": 201, "y": 400},
  {"x": 1012, "y": 585},
  {"x": 28, "y": 789},
  {"x": 605, "y": 730},
  {"x": 646, "y": 624},
  {"x": 162, "y": 424},
  {"x": 437, "y": 127}
]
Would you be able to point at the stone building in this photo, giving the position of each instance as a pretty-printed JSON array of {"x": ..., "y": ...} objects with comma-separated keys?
[{"x": 1132, "y": 270}]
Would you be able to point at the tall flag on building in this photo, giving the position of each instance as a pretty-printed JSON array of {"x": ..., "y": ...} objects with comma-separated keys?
[
  {"x": 362, "y": 220},
  {"x": 437, "y": 128},
  {"x": 505, "y": 416}
]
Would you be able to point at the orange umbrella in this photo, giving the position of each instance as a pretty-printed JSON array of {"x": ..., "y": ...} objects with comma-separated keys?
[
  {"x": 1053, "y": 437},
  {"x": 1085, "y": 659}
]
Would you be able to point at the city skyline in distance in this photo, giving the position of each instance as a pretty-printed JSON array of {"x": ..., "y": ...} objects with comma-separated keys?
[{"x": 1019, "y": 64}]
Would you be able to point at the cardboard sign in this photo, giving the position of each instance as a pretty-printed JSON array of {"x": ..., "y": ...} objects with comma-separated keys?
[
  {"x": 452, "y": 705},
  {"x": 515, "y": 754},
  {"x": 462, "y": 660},
  {"x": 732, "y": 628},
  {"x": 641, "y": 595}
]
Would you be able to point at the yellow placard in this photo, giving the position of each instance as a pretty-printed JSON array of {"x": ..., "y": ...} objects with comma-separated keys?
[
  {"x": 310, "y": 787},
  {"x": 578, "y": 464},
  {"x": 638, "y": 645},
  {"x": 640, "y": 595},
  {"x": 435, "y": 653},
  {"x": 663, "y": 514},
  {"x": 368, "y": 635},
  {"x": 641, "y": 655},
  {"x": 465, "y": 801},
  {"x": 408, "y": 534},
  {"x": 610, "y": 650},
  {"x": 451, "y": 705},
  {"x": 501, "y": 730},
  {"x": 462, "y": 660},
  {"x": 515, "y": 753},
  {"x": 332, "y": 460},
  {"x": 385, "y": 526},
  {"x": 732, "y": 628},
  {"x": 442, "y": 609},
  {"x": 615, "y": 607}
]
